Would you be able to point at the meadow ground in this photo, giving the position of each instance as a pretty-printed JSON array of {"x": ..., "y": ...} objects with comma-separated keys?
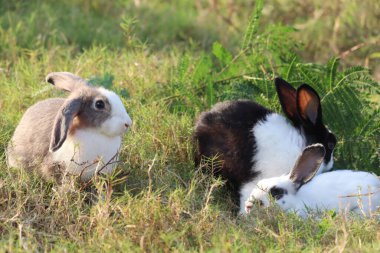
[{"x": 170, "y": 60}]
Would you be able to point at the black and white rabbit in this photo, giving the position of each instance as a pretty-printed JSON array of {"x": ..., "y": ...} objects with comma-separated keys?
[
  {"x": 79, "y": 134},
  {"x": 302, "y": 190},
  {"x": 252, "y": 142}
]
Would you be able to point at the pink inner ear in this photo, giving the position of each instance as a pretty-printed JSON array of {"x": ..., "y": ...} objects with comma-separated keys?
[
  {"x": 308, "y": 105},
  {"x": 308, "y": 164}
]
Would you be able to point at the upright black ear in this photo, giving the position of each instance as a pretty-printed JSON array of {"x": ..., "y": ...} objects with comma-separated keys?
[
  {"x": 287, "y": 96},
  {"x": 309, "y": 105},
  {"x": 307, "y": 164}
]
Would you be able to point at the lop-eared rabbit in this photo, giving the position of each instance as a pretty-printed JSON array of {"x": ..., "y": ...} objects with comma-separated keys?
[
  {"x": 78, "y": 135},
  {"x": 302, "y": 190},
  {"x": 251, "y": 142}
]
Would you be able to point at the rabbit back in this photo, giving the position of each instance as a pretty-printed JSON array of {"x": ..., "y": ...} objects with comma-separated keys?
[
  {"x": 345, "y": 190},
  {"x": 225, "y": 132},
  {"x": 30, "y": 142}
]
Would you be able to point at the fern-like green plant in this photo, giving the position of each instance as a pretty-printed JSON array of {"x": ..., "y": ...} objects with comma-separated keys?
[{"x": 253, "y": 24}]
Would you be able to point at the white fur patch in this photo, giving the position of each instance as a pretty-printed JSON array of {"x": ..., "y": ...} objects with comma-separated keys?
[
  {"x": 327, "y": 167},
  {"x": 115, "y": 125},
  {"x": 342, "y": 190},
  {"x": 83, "y": 148},
  {"x": 278, "y": 145}
]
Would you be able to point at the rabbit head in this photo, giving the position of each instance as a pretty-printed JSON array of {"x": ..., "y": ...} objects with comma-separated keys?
[
  {"x": 86, "y": 107},
  {"x": 302, "y": 107},
  {"x": 282, "y": 190}
]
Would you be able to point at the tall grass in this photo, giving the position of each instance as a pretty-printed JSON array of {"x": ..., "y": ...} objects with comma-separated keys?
[{"x": 169, "y": 61}]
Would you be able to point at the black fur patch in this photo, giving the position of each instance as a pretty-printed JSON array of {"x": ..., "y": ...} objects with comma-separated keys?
[
  {"x": 277, "y": 193},
  {"x": 226, "y": 132}
]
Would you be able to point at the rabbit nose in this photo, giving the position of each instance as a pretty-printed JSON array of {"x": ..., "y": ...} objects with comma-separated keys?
[{"x": 126, "y": 125}]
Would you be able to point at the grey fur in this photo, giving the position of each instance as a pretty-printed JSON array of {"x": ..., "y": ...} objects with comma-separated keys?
[
  {"x": 30, "y": 142},
  {"x": 45, "y": 125},
  {"x": 65, "y": 81},
  {"x": 63, "y": 122}
]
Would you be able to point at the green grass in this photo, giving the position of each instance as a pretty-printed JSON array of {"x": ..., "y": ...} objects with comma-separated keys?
[{"x": 167, "y": 71}]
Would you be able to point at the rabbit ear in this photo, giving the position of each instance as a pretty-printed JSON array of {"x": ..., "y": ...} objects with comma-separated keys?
[
  {"x": 65, "y": 81},
  {"x": 309, "y": 105},
  {"x": 307, "y": 164},
  {"x": 287, "y": 95},
  {"x": 63, "y": 122}
]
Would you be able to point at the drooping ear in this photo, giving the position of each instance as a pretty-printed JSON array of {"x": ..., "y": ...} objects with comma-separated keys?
[
  {"x": 309, "y": 105},
  {"x": 287, "y": 96},
  {"x": 63, "y": 122},
  {"x": 65, "y": 81},
  {"x": 307, "y": 164}
]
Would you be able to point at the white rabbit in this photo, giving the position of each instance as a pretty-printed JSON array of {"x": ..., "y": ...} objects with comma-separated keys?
[
  {"x": 251, "y": 142},
  {"x": 78, "y": 135},
  {"x": 302, "y": 190}
]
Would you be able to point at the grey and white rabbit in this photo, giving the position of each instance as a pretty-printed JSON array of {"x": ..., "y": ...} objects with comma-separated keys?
[
  {"x": 79, "y": 134},
  {"x": 251, "y": 142},
  {"x": 302, "y": 190}
]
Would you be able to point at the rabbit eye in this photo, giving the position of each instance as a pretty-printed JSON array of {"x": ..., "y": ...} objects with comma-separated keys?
[
  {"x": 99, "y": 104},
  {"x": 277, "y": 193}
]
